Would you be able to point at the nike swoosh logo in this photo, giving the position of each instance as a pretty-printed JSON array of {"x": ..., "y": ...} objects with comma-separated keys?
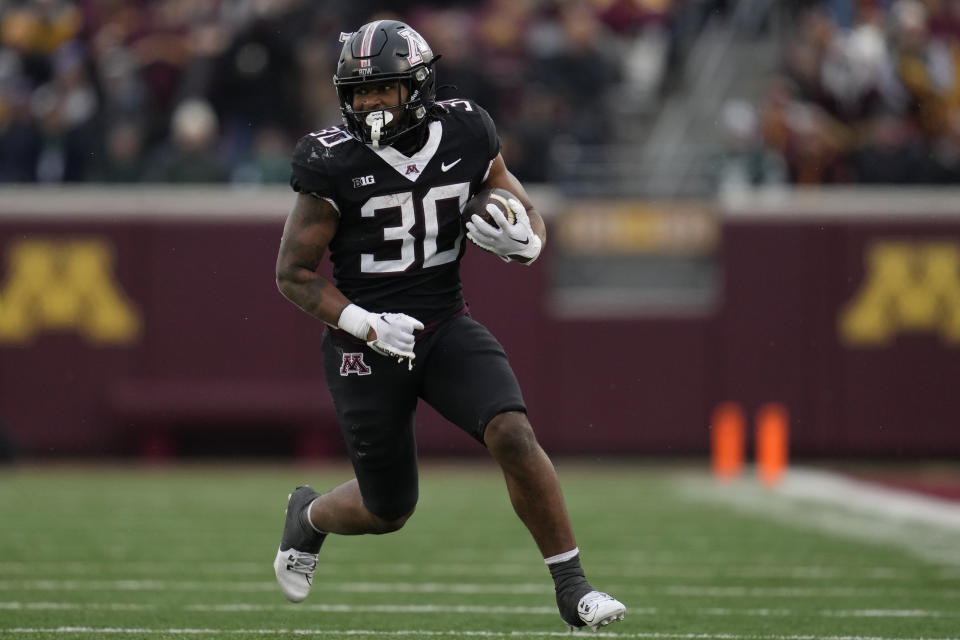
[{"x": 446, "y": 167}]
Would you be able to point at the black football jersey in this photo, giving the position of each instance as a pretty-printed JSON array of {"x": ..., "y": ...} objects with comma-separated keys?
[{"x": 400, "y": 238}]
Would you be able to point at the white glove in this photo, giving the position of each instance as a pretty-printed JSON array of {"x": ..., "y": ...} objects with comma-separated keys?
[
  {"x": 394, "y": 335},
  {"x": 394, "y": 331},
  {"x": 509, "y": 241}
]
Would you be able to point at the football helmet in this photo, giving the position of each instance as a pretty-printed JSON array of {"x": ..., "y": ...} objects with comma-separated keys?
[{"x": 380, "y": 51}]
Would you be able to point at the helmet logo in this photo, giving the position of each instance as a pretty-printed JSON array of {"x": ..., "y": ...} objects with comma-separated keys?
[{"x": 418, "y": 47}]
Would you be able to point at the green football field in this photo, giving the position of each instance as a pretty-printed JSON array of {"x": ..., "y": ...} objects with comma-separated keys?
[{"x": 186, "y": 552}]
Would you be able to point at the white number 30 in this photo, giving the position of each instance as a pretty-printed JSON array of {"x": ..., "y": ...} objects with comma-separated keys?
[{"x": 431, "y": 256}]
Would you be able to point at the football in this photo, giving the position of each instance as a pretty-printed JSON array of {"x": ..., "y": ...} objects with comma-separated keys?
[{"x": 478, "y": 205}]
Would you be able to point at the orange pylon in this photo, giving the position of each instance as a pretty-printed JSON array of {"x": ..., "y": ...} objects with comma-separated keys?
[
  {"x": 773, "y": 437},
  {"x": 727, "y": 441}
]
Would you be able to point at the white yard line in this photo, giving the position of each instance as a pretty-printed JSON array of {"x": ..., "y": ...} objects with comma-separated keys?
[
  {"x": 632, "y": 570},
  {"x": 471, "y": 609},
  {"x": 258, "y": 586},
  {"x": 678, "y": 590},
  {"x": 927, "y": 528},
  {"x": 634, "y": 611},
  {"x": 372, "y": 608},
  {"x": 73, "y": 606},
  {"x": 423, "y": 633},
  {"x": 728, "y": 591}
]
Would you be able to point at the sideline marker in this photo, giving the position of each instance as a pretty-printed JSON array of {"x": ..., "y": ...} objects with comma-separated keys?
[
  {"x": 727, "y": 443},
  {"x": 772, "y": 434}
]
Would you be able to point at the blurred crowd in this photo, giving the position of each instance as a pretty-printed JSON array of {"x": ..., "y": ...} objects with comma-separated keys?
[
  {"x": 219, "y": 90},
  {"x": 868, "y": 91}
]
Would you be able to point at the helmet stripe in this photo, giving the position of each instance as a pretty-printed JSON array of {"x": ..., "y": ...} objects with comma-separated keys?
[{"x": 367, "y": 44}]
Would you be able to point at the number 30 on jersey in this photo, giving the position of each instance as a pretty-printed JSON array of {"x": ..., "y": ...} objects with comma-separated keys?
[{"x": 432, "y": 257}]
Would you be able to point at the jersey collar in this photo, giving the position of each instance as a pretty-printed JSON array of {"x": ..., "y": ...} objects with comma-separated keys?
[{"x": 412, "y": 167}]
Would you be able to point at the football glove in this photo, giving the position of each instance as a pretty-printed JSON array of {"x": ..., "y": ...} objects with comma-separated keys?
[
  {"x": 394, "y": 331},
  {"x": 509, "y": 241}
]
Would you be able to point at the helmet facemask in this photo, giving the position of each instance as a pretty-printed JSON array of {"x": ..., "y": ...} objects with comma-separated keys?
[{"x": 382, "y": 125}]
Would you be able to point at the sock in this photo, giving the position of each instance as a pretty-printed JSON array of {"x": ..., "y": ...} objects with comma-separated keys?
[
  {"x": 570, "y": 584},
  {"x": 307, "y": 522}
]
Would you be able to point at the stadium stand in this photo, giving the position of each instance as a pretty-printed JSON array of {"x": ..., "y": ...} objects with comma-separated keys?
[{"x": 216, "y": 91}]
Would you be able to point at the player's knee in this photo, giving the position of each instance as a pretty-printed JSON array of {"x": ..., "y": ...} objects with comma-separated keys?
[
  {"x": 510, "y": 436},
  {"x": 391, "y": 522},
  {"x": 390, "y": 513}
]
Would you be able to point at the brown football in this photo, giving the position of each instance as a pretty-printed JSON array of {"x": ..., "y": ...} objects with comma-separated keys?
[{"x": 478, "y": 205}]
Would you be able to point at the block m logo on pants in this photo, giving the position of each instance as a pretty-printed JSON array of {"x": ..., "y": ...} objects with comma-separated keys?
[
  {"x": 908, "y": 286},
  {"x": 67, "y": 285}
]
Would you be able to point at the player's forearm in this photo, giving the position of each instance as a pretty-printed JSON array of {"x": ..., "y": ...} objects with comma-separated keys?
[
  {"x": 389, "y": 334},
  {"x": 312, "y": 293}
]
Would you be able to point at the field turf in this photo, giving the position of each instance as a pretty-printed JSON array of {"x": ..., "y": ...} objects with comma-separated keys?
[{"x": 186, "y": 552}]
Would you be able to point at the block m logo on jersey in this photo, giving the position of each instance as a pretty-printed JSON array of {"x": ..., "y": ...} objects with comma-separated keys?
[
  {"x": 353, "y": 363},
  {"x": 64, "y": 286},
  {"x": 908, "y": 286}
]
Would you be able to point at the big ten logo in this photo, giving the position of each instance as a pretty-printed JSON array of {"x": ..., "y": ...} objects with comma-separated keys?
[
  {"x": 908, "y": 286},
  {"x": 64, "y": 285}
]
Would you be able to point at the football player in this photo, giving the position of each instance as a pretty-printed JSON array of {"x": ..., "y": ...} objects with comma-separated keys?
[{"x": 383, "y": 193}]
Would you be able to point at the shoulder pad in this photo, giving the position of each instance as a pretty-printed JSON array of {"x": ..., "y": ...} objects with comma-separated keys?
[
  {"x": 484, "y": 123},
  {"x": 310, "y": 161},
  {"x": 458, "y": 104},
  {"x": 311, "y": 147}
]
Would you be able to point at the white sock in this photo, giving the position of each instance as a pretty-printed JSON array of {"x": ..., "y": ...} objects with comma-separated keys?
[
  {"x": 562, "y": 557},
  {"x": 310, "y": 519}
]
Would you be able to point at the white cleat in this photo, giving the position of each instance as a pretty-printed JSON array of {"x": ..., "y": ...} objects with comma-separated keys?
[
  {"x": 598, "y": 609},
  {"x": 295, "y": 571},
  {"x": 296, "y": 559}
]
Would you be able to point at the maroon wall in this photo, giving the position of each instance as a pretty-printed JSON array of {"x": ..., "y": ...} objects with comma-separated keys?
[
  {"x": 792, "y": 282},
  {"x": 219, "y": 350}
]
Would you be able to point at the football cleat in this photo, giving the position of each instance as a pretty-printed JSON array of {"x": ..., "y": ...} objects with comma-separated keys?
[
  {"x": 296, "y": 559},
  {"x": 598, "y": 609}
]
